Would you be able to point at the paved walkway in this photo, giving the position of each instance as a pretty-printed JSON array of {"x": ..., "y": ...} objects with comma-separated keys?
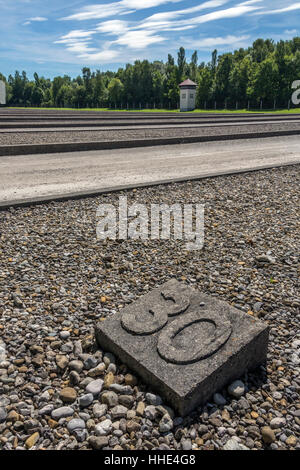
[{"x": 50, "y": 176}]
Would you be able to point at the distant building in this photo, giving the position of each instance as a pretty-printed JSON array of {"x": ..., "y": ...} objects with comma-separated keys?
[
  {"x": 187, "y": 95},
  {"x": 2, "y": 93}
]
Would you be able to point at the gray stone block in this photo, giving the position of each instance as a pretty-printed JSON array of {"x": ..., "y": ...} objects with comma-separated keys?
[{"x": 186, "y": 345}]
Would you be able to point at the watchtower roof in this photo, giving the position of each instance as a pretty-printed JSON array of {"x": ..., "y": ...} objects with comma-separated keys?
[{"x": 188, "y": 82}]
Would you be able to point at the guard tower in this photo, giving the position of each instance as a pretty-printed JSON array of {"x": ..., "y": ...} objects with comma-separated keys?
[
  {"x": 187, "y": 95},
  {"x": 2, "y": 93}
]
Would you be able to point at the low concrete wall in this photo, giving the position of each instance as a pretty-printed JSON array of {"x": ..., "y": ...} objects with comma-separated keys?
[{"x": 10, "y": 150}]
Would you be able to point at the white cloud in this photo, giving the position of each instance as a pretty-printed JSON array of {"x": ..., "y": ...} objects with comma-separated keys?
[
  {"x": 293, "y": 7},
  {"x": 175, "y": 14},
  {"x": 38, "y": 19},
  {"x": 233, "y": 12},
  {"x": 141, "y": 4},
  {"x": 78, "y": 33},
  {"x": 78, "y": 41},
  {"x": 291, "y": 32},
  {"x": 139, "y": 39},
  {"x": 106, "y": 56},
  {"x": 160, "y": 22},
  {"x": 136, "y": 35},
  {"x": 80, "y": 47},
  {"x": 123, "y": 7},
  {"x": 113, "y": 27},
  {"x": 251, "y": 2},
  {"x": 218, "y": 41}
]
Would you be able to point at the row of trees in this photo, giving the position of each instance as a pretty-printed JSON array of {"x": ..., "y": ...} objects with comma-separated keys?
[{"x": 262, "y": 73}]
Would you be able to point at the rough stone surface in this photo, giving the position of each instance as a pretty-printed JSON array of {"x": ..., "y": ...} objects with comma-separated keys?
[
  {"x": 157, "y": 345},
  {"x": 50, "y": 258}
]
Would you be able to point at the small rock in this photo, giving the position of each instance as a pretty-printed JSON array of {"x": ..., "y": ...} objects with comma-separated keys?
[
  {"x": 3, "y": 415},
  {"x": 68, "y": 395},
  {"x": 234, "y": 444},
  {"x": 123, "y": 389},
  {"x": 86, "y": 400},
  {"x": 186, "y": 444},
  {"x": 118, "y": 411},
  {"x": 76, "y": 365},
  {"x": 130, "y": 380},
  {"x": 75, "y": 424},
  {"x": 112, "y": 368},
  {"x": 153, "y": 399},
  {"x": 62, "y": 361},
  {"x": 109, "y": 380},
  {"x": 31, "y": 426},
  {"x": 99, "y": 410},
  {"x": 46, "y": 410},
  {"x": 103, "y": 428},
  {"x": 97, "y": 371},
  {"x": 13, "y": 416},
  {"x": 291, "y": 441},
  {"x": 38, "y": 360},
  {"x": 140, "y": 408},
  {"x": 268, "y": 435},
  {"x": 95, "y": 387},
  {"x": 166, "y": 424},
  {"x": 277, "y": 395},
  {"x": 98, "y": 442},
  {"x": 110, "y": 398},
  {"x": 219, "y": 399},
  {"x": 151, "y": 412},
  {"x": 64, "y": 334},
  {"x": 265, "y": 259},
  {"x": 109, "y": 358},
  {"x": 236, "y": 389},
  {"x": 80, "y": 435},
  {"x": 90, "y": 362},
  {"x": 32, "y": 440},
  {"x": 133, "y": 426},
  {"x": 126, "y": 400},
  {"x": 277, "y": 423},
  {"x": 131, "y": 414},
  {"x": 74, "y": 377},
  {"x": 63, "y": 412}
]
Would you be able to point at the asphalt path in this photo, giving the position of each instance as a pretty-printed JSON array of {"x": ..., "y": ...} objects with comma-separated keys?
[{"x": 31, "y": 178}]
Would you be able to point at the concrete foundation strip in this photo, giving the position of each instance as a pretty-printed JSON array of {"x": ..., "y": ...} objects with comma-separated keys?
[{"x": 31, "y": 149}]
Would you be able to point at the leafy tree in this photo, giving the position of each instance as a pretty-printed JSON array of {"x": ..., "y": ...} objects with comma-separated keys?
[
  {"x": 37, "y": 96},
  {"x": 205, "y": 83},
  {"x": 193, "y": 66},
  {"x": 222, "y": 80},
  {"x": 181, "y": 62},
  {"x": 115, "y": 90}
]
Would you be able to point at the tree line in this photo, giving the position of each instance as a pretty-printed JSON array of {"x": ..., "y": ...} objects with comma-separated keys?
[{"x": 260, "y": 75}]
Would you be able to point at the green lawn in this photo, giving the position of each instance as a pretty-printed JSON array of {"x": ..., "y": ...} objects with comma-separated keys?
[{"x": 227, "y": 111}]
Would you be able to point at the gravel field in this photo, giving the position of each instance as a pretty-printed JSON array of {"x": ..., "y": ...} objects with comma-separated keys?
[
  {"x": 59, "y": 391},
  {"x": 90, "y": 136}
]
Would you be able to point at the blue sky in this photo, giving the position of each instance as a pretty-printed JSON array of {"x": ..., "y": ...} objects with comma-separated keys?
[{"x": 61, "y": 36}]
